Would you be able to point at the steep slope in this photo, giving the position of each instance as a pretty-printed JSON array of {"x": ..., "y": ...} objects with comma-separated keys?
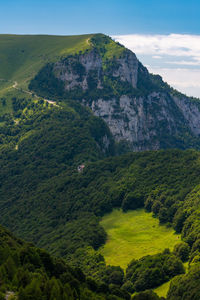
[
  {"x": 139, "y": 108},
  {"x": 29, "y": 273},
  {"x": 40, "y": 141}
]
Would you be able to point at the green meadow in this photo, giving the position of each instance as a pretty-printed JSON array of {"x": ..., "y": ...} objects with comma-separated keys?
[
  {"x": 134, "y": 234},
  {"x": 162, "y": 290},
  {"x": 32, "y": 52}
]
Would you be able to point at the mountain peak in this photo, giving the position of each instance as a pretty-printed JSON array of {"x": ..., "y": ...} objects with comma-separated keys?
[{"x": 140, "y": 109}]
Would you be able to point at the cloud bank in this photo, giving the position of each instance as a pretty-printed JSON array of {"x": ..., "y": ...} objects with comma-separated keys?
[{"x": 176, "y": 57}]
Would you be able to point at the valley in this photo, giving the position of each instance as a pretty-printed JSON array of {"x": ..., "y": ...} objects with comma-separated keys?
[{"x": 128, "y": 223}]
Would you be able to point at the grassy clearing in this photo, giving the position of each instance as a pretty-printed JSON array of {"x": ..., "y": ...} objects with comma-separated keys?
[
  {"x": 162, "y": 290},
  {"x": 133, "y": 235}
]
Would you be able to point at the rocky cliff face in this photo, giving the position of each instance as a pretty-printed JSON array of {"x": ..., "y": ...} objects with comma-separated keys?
[
  {"x": 148, "y": 122},
  {"x": 78, "y": 71},
  {"x": 75, "y": 71},
  {"x": 138, "y": 107},
  {"x": 190, "y": 111},
  {"x": 131, "y": 119}
]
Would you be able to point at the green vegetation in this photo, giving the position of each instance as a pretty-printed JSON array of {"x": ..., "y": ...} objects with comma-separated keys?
[
  {"x": 186, "y": 286},
  {"x": 104, "y": 82},
  {"x": 146, "y": 295},
  {"x": 60, "y": 209},
  {"x": 134, "y": 234},
  {"x": 151, "y": 271},
  {"x": 5, "y": 106},
  {"x": 39, "y": 127},
  {"x": 108, "y": 48},
  {"x": 33, "y": 52},
  {"x": 61, "y": 195},
  {"x": 47, "y": 84},
  {"x": 182, "y": 250},
  {"x": 29, "y": 273}
]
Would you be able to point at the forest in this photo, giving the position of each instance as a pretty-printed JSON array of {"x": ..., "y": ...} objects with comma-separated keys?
[{"x": 59, "y": 208}]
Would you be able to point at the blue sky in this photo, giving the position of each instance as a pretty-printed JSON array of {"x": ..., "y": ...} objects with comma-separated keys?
[
  {"x": 165, "y": 35},
  {"x": 106, "y": 16}
]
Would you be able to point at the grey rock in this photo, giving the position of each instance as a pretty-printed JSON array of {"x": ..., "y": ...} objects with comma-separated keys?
[{"x": 145, "y": 122}]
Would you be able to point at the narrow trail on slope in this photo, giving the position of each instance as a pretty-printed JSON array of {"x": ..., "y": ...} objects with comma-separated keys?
[{"x": 15, "y": 86}]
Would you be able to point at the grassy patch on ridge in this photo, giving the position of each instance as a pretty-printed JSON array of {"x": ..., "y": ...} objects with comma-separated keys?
[
  {"x": 133, "y": 235},
  {"x": 22, "y": 56}
]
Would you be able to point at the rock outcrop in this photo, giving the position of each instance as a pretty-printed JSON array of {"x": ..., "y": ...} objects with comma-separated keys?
[
  {"x": 139, "y": 108},
  {"x": 77, "y": 71}
]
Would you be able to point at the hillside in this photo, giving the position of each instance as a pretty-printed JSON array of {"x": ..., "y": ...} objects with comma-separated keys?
[
  {"x": 135, "y": 233},
  {"x": 61, "y": 213},
  {"x": 105, "y": 103},
  {"x": 141, "y": 111},
  {"x": 22, "y": 56},
  {"x": 50, "y": 200},
  {"x": 30, "y": 273}
]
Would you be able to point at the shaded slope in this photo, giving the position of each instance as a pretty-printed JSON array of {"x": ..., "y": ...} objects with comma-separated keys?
[{"x": 28, "y": 273}]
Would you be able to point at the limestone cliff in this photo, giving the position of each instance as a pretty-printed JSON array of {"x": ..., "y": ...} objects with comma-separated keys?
[{"x": 139, "y": 108}]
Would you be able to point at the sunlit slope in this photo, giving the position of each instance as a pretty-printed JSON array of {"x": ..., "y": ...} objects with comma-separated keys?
[{"x": 21, "y": 56}]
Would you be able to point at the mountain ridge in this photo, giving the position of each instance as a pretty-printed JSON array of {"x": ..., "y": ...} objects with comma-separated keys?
[{"x": 139, "y": 108}]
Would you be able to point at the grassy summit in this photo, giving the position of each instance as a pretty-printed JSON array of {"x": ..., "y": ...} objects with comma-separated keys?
[
  {"x": 22, "y": 56},
  {"x": 133, "y": 235}
]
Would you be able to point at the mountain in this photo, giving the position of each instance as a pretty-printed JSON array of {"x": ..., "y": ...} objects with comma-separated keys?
[
  {"x": 68, "y": 106},
  {"x": 142, "y": 111}
]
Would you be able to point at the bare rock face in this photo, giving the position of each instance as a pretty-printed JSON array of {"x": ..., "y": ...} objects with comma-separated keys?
[
  {"x": 140, "y": 120},
  {"x": 76, "y": 71},
  {"x": 127, "y": 68},
  {"x": 145, "y": 122},
  {"x": 191, "y": 113}
]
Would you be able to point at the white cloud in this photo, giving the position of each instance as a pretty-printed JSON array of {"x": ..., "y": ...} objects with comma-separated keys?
[
  {"x": 176, "y": 57},
  {"x": 172, "y": 44},
  {"x": 184, "y": 63},
  {"x": 157, "y": 56}
]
